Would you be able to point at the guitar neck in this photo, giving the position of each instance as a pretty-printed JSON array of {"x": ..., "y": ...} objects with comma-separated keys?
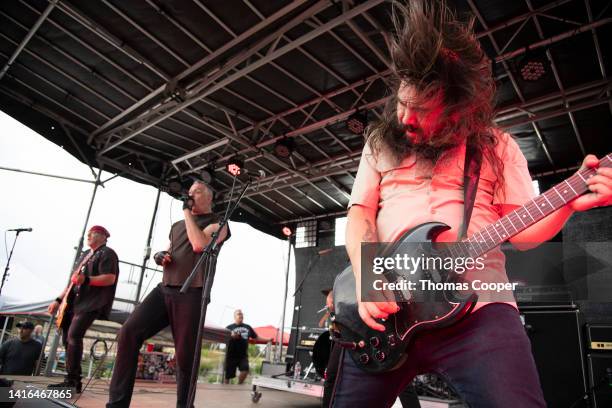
[{"x": 523, "y": 217}]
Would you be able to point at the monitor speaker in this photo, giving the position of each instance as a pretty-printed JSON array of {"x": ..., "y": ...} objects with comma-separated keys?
[{"x": 558, "y": 351}]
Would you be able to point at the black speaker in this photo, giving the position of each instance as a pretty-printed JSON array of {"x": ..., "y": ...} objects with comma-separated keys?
[
  {"x": 600, "y": 379},
  {"x": 558, "y": 351}
]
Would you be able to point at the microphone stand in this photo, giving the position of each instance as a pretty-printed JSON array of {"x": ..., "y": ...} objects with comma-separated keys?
[
  {"x": 210, "y": 257},
  {"x": 8, "y": 262}
]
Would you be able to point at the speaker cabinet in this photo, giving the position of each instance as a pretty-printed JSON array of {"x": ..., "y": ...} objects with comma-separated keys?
[
  {"x": 600, "y": 379},
  {"x": 558, "y": 351}
]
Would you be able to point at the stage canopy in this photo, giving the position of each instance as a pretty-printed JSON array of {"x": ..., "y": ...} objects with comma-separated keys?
[{"x": 160, "y": 91}]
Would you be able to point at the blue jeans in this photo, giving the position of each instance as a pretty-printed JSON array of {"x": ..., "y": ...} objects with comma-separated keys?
[{"x": 486, "y": 358}]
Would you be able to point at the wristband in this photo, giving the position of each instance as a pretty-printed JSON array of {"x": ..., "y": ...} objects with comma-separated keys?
[
  {"x": 58, "y": 300},
  {"x": 86, "y": 281}
]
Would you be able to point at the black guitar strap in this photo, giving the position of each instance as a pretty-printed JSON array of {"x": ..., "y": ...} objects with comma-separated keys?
[{"x": 471, "y": 176}]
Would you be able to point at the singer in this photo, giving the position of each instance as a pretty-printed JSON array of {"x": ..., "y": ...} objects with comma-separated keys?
[
  {"x": 165, "y": 305},
  {"x": 89, "y": 296}
]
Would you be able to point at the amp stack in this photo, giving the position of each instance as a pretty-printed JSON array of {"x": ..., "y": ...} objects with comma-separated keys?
[{"x": 599, "y": 361}]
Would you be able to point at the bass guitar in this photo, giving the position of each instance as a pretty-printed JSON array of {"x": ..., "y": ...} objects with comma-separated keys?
[{"x": 375, "y": 351}]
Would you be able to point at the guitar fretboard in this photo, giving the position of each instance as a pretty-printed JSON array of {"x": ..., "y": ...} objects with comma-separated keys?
[{"x": 527, "y": 215}]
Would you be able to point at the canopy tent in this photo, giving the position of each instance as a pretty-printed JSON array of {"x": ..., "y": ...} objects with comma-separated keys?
[
  {"x": 39, "y": 310},
  {"x": 270, "y": 332}
]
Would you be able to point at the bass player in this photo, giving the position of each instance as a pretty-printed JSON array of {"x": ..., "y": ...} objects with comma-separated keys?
[{"x": 411, "y": 173}]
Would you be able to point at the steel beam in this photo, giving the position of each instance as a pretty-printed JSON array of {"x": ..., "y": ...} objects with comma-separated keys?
[
  {"x": 553, "y": 39},
  {"x": 41, "y": 19},
  {"x": 203, "y": 90},
  {"x": 247, "y": 34}
]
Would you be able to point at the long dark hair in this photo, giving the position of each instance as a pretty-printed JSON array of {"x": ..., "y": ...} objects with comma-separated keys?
[{"x": 436, "y": 54}]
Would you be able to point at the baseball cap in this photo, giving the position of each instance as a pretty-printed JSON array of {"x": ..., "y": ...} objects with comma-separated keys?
[
  {"x": 25, "y": 325},
  {"x": 100, "y": 229}
]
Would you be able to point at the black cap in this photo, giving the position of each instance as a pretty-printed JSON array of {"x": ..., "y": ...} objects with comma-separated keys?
[{"x": 25, "y": 325}]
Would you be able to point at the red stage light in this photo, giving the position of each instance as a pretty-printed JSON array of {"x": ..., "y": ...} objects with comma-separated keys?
[
  {"x": 234, "y": 167},
  {"x": 287, "y": 231}
]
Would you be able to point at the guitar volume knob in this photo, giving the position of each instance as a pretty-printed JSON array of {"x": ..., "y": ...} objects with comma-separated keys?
[
  {"x": 364, "y": 358},
  {"x": 380, "y": 355},
  {"x": 375, "y": 342}
]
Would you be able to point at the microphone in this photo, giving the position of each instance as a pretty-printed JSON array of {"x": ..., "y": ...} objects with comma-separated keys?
[{"x": 21, "y": 229}]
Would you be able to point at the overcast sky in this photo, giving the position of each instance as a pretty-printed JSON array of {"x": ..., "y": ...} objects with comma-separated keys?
[{"x": 251, "y": 267}]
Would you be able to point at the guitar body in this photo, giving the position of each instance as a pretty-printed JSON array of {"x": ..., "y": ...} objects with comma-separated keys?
[
  {"x": 375, "y": 351},
  {"x": 63, "y": 308}
]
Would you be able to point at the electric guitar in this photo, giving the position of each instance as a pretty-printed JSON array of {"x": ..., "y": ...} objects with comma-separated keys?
[
  {"x": 375, "y": 351},
  {"x": 63, "y": 307}
]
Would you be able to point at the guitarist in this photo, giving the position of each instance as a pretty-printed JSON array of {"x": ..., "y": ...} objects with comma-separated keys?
[
  {"x": 89, "y": 296},
  {"x": 411, "y": 172}
]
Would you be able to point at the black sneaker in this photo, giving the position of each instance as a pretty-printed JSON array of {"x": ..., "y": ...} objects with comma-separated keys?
[{"x": 76, "y": 386}]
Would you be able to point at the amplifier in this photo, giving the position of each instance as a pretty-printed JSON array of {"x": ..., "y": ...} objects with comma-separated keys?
[
  {"x": 309, "y": 336},
  {"x": 599, "y": 337},
  {"x": 600, "y": 377}
]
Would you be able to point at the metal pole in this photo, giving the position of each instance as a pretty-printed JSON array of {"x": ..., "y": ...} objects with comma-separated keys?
[
  {"x": 44, "y": 345},
  {"x": 6, "y": 319},
  {"x": 279, "y": 343},
  {"x": 28, "y": 37},
  {"x": 147, "y": 254},
  {"x": 55, "y": 344}
]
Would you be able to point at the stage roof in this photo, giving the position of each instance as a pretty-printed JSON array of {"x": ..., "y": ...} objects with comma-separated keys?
[{"x": 158, "y": 91}]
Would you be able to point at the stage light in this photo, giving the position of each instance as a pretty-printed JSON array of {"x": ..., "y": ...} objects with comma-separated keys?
[
  {"x": 287, "y": 231},
  {"x": 174, "y": 187},
  {"x": 284, "y": 148},
  {"x": 234, "y": 166},
  {"x": 207, "y": 174},
  {"x": 533, "y": 66},
  {"x": 356, "y": 123}
]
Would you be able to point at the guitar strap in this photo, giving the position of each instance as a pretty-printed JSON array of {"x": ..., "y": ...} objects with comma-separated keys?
[
  {"x": 83, "y": 262},
  {"x": 471, "y": 176}
]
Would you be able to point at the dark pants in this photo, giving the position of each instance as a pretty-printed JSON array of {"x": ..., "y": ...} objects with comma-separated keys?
[
  {"x": 74, "y": 327},
  {"x": 486, "y": 358},
  {"x": 408, "y": 396},
  {"x": 162, "y": 307}
]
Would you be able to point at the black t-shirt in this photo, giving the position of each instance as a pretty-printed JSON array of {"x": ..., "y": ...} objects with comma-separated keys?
[
  {"x": 237, "y": 348},
  {"x": 98, "y": 298},
  {"x": 19, "y": 358},
  {"x": 183, "y": 257}
]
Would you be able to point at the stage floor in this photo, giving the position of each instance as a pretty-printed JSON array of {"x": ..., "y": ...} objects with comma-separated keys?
[{"x": 155, "y": 395}]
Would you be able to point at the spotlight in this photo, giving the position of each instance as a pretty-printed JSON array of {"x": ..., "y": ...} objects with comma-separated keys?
[
  {"x": 287, "y": 231},
  {"x": 533, "y": 66},
  {"x": 174, "y": 187},
  {"x": 284, "y": 148},
  {"x": 234, "y": 166},
  {"x": 207, "y": 174},
  {"x": 356, "y": 123}
]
